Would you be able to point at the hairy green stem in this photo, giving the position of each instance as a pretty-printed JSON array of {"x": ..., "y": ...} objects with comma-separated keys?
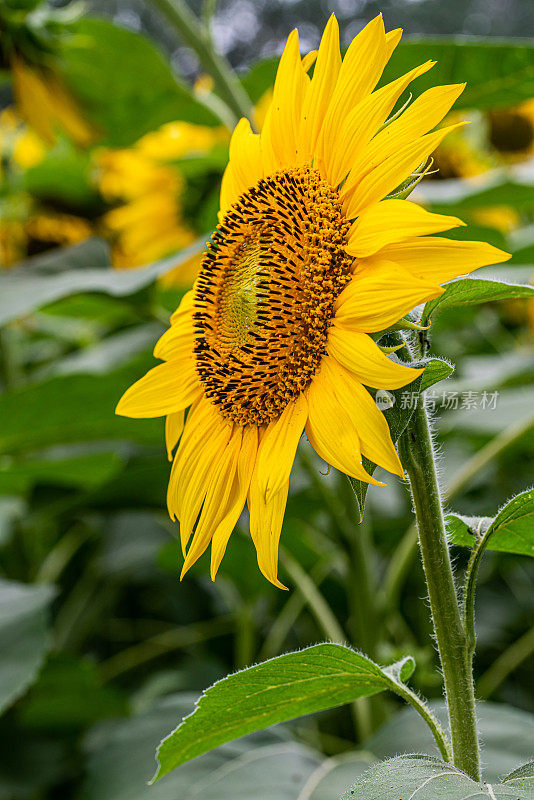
[
  {"x": 418, "y": 459},
  {"x": 194, "y": 33}
]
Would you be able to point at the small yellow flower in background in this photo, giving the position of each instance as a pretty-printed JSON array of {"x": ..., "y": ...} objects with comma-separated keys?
[
  {"x": 45, "y": 103},
  {"x": 148, "y": 224},
  {"x": 311, "y": 257}
]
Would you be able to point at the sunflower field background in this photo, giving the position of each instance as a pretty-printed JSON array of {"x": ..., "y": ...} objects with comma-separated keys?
[{"x": 114, "y": 134}]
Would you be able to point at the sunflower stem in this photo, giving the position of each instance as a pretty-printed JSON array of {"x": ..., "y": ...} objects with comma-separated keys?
[
  {"x": 197, "y": 37},
  {"x": 417, "y": 455}
]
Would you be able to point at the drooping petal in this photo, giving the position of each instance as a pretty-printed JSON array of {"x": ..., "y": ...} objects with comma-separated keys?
[
  {"x": 278, "y": 447},
  {"x": 381, "y": 296},
  {"x": 174, "y": 425},
  {"x": 216, "y": 500},
  {"x": 266, "y": 518},
  {"x": 360, "y": 355},
  {"x": 373, "y": 430},
  {"x": 393, "y": 221},
  {"x": 238, "y": 496},
  {"x": 389, "y": 174},
  {"x": 167, "y": 388},
  {"x": 319, "y": 90},
  {"x": 332, "y": 431},
  {"x": 439, "y": 260}
]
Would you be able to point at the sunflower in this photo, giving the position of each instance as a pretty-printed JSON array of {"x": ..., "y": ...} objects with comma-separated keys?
[{"x": 311, "y": 257}]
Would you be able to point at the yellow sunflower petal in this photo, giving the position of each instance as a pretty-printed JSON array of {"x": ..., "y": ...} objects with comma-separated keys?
[
  {"x": 386, "y": 177},
  {"x": 266, "y": 520},
  {"x": 174, "y": 425},
  {"x": 332, "y": 430},
  {"x": 177, "y": 341},
  {"x": 216, "y": 501},
  {"x": 278, "y": 447},
  {"x": 392, "y": 221},
  {"x": 360, "y": 71},
  {"x": 185, "y": 307},
  {"x": 381, "y": 296},
  {"x": 439, "y": 260},
  {"x": 238, "y": 496},
  {"x": 360, "y": 355},
  {"x": 421, "y": 116},
  {"x": 392, "y": 40},
  {"x": 320, "y": 89},
  {"x": 373, "y": 430},
  {"x": 309, "y": 60},
  {"x": 166, "y": 388},
  {"x": 244, "y": 159},
  {"x": 280, "y": 134},
  {"x": 361, "y": 124}
]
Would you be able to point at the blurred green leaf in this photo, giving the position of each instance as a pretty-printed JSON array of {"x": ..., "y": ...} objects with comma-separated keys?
[
  {"x": 498, "y": 73},
  {"x": 24, "y": 638},
  {"x": 429, "y": 778},
  {"x": 319, "y": 677},
  {"x": 64, "y": 176},
  {"x": 124, "y": 83},
  {"x": 121, "y": 761},
  {"x": 507, "y": 733},
  {"x": 68, "y": 696},
  {"x": 73, "y": 408},
  {"x": 512, "y": 530},
  {"x": 73, "y": 269},
  {"x": 469, "y": 291},
  {"x": 82, "y": 472}
]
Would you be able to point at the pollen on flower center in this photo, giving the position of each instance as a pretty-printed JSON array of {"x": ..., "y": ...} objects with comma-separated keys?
[{"x": 266, "y": 292}]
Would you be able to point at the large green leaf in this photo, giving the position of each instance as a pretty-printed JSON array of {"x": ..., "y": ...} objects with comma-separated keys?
[
  {"x": 512, "y": 530},
  {"x": 124, "y": 84},
  {"x": 83, "y": 268},
  {"x": 428, "y": 778},
  {"x": 497, "y": 73},
  {"x": 24, "y": 636},
  {"x": 471, "y": 291},
  {"x": 507, "y": 734},
  {"x": 319, "y": 677},
  {"x": 121, "y": 760}
]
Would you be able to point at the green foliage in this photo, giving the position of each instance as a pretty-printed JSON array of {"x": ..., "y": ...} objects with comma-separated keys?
[
  {"x": 314, "y": 679},
  {"x": 82, "y": 268},
  {"x": 497, "y": 73},
  {"x": 102, "y": 64},
  {"x": 511, "y": 531},
  {"x": 24, "y": 636},
  {"x": 428, "y": 778},
  {"x": 468, "y": 291}
]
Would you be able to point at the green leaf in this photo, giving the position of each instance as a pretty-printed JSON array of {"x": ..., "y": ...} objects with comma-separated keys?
[
  {"x": 82, "y": 268},
  {"x": 429, "y": 778},
  {"x": 497, "y": 73},
  {"x": 101, "y": 63},
  {"x": 507, "y": 734},
  {"x": 512, "y": 530},
  {"x": 522, "y": 775},
  {"x": 436, "y": 369},
  {"x": 470, "y": 291},
  {"x": 121, "y": 760},
  {"x": 319, "y": 677},
  {"x": 24, "y": 637}
]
